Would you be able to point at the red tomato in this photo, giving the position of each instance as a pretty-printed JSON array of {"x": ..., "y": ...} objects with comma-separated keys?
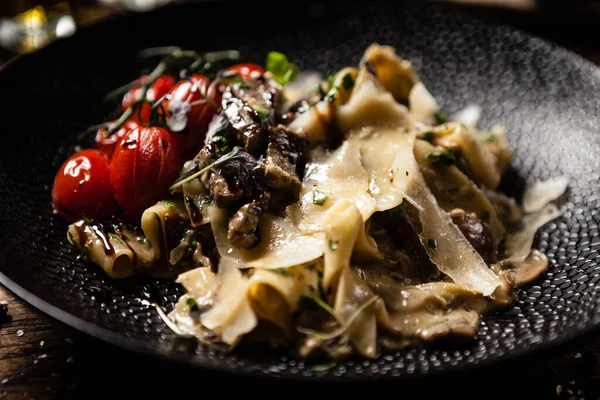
[
  {"x": 246, "y": 71},
  {"x": 106, "y": 143},
  {"x": 193, "y": 90},
  {"x": 143, "y": 166},
  {"x": 159, "y": 88},
  {"x": 82, "y": 185}
]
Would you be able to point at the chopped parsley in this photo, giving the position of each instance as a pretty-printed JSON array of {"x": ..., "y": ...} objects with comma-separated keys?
[
  {"x": 116, "y": 237},
  {"x": 141, "y": 240},
  {"x": 331, "y": 96},
  {"x": 318, "y": 198},
  {"x": 192, "y": 303},
  {"x": 431, "y": 244},
  {"x": 348, "y": 82},
  {"x": 242, "y": 84},
  {"x": 262, "y": 114},
  {"x": 279, "y": 65},
  {"x": 445, "y": 157},
  {"x": 282, "y": 271},
  {"x": 167, "y": 203},
  {"x": 221, "y": 143},
  {"x": 333, "y": 245},
  {"x": 492, "y": 138},
  {"x": 427, "y": 136},
  {"x": 207, "y": 200},
  {"x": 441, "y": 117}
]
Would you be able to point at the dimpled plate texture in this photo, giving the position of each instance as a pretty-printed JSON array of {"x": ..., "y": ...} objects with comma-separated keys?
[{"x": 546, "y": 96}]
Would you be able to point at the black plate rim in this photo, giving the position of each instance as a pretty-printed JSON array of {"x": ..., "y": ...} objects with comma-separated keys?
[{"x": 129, "y": 344}]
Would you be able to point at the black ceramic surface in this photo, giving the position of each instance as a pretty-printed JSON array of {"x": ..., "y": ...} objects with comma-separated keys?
[{"x": 547, "y": 97}]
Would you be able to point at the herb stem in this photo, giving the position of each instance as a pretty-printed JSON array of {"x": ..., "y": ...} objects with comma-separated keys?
[{"x": 343, "y": 326}]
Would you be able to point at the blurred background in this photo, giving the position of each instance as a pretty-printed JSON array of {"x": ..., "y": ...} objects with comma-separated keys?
[{"x": 26, "y": 25}]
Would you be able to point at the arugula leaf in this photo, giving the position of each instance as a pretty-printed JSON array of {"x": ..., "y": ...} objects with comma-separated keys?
[{"x": 283, "y": 70}]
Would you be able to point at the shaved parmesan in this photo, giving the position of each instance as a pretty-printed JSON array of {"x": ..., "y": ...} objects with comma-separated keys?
[
  {"x": 451, "y": 253},
  {"x": 231, "y": 315},
  {"x": 468, "y": 116},
  {"x": 538, "y": 195},
  {"x": 422, "y": 104},
  {"x": 518, "y": 244}
]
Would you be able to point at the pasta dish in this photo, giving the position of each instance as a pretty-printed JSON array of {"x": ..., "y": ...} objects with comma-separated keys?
[{"x": 340, "y": 215}]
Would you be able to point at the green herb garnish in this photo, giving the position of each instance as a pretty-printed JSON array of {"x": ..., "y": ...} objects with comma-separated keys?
[
  {"x": 427, "y": 136},
  {"x": 431, "y": 244},
  {"x": 348, "y": 82},
  {"x": 192, "y": 303},
  {"x": 167, "y": 203},
  {"x": 343, "y": 325},
  {"x": 445, "y": 157},
  {"x": 333, "y": 245},
  {"x": 441, "y": 117},
  {"x": 492, "y": 138},
  {"x": 116, "y": 237},
  {"x": 263, "y": 115},
  {"x": 283, "y": 70},
  {"x": 318, "y": 198},
  {"x": 282, "y": 271},
  {"x": 221, "y": 143},
  {"x": 307, "y": 301}
]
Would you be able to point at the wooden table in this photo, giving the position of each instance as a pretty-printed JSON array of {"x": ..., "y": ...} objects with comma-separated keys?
[{"x": 41, "y": 358}]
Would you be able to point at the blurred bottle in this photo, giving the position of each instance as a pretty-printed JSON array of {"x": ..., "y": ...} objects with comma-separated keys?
[{"x": 31, "y": 24}]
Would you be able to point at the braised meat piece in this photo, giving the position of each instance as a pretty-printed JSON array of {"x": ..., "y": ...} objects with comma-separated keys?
[
  {"x": 284, "y": 162},
  {"x": 476, "y": 231}
]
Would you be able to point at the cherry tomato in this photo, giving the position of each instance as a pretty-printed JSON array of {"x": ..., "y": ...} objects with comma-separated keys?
[
  {"x": 246, "y": 71},
  {"x": 82, "y": 185},
  {"x": 193, "y": 91},
  {"x": 159, "y": 88},
  {"x": 106, "y": 143},
  {"x": 143, "y": 166}
]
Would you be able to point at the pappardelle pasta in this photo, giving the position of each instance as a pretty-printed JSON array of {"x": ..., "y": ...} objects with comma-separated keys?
[{"x": 337, "y": 216}]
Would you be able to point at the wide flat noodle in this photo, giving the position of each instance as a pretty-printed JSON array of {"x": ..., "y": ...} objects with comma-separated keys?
[
  {"x": 275, "y": 294},
  {"x": 446, "y": 246},
  {"x": 110, "y": 252},
  {"x": 482, "y": 163},
  {"x": 337, "y": 176},
  {"x": 282, "y": 244},
  {"x": 342, "y": 225},
  {"x": 231, "y": 315},
  {"x": 378, "y": 151}
]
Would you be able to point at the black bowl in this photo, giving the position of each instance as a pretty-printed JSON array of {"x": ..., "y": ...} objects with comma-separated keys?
[{"x": 546, "y": 96}]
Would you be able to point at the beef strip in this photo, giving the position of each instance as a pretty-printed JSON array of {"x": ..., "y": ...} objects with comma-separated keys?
[
  {"x": 477, "y": 232},
  {"x": 284, "y": 162},
  {"x": 250, "y": 108},
  {"x": 243, "y": 226},
  {"x": 403, "y": 224}
]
